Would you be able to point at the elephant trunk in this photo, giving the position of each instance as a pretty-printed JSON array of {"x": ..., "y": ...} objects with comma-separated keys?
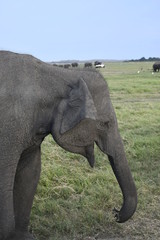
[
  {"x": 122, "y": 172},
  {"x": 115, "y": 151}
]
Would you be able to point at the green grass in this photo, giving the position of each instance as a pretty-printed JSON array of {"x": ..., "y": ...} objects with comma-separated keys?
[{"x": 74, "y": 201}]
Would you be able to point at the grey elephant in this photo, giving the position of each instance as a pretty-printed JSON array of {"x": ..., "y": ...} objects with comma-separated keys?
[
  {"x": 156, "y": 66},
  {"x": 37, "y": 99}
]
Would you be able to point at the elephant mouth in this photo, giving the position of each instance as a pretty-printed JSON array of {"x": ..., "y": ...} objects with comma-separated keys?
[
  {"x": 89, "y": 150},
  {"x": 85, "y": 151}
]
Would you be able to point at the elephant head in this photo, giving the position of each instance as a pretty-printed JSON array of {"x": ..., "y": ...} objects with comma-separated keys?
[{"x": 86, "y": 116}]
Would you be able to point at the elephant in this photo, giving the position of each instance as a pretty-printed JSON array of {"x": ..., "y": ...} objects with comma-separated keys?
[
  {"x": 74, "y": 106},
  {"x": 156, "y": 66},
  {"x": 88, "y": 64},
  {"x": 74, "y": 64}
]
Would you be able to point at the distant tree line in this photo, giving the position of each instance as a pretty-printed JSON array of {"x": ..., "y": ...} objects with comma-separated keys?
[{"x": 143, "y": 59}]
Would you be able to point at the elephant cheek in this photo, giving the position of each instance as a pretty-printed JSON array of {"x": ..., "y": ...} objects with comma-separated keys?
[
  {"x": 79, "y": 139},
  {"x": 82, "y": 135}
]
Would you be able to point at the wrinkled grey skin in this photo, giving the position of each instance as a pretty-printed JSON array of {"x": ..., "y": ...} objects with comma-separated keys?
[{"x": 74, "y": 106}]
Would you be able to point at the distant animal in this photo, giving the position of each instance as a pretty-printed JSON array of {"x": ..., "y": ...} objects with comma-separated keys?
[
  {"x": 75, "y": 64},
  {"x": 88, "y": 64},
  {"x": 57, "y": 65},
  {"x": 67, "y": 65},
  {"x": 156, "y": 66}
]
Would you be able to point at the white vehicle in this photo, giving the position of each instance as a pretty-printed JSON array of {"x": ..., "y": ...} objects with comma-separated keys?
[{"x": 101, "y": 65}]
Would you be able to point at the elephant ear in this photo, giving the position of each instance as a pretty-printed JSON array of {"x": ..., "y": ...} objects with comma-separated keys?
[{"x": 76, "y": 107}]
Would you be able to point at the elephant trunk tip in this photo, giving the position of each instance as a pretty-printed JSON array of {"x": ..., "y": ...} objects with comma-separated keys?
[{"x": 126, "y": 211}]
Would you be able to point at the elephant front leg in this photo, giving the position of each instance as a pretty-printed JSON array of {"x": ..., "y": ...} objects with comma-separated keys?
[
  {"x": 7, "y": 221},
  {"x": 26, "y": 181}
]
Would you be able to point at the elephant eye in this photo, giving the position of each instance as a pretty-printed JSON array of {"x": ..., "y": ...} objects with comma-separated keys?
[
  {"x": 103, "y": 125},
  {"x": 106, "y": 124}
]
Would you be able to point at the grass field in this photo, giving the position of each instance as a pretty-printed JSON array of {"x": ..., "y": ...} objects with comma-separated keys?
[{"x": 74, "y": 201}]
